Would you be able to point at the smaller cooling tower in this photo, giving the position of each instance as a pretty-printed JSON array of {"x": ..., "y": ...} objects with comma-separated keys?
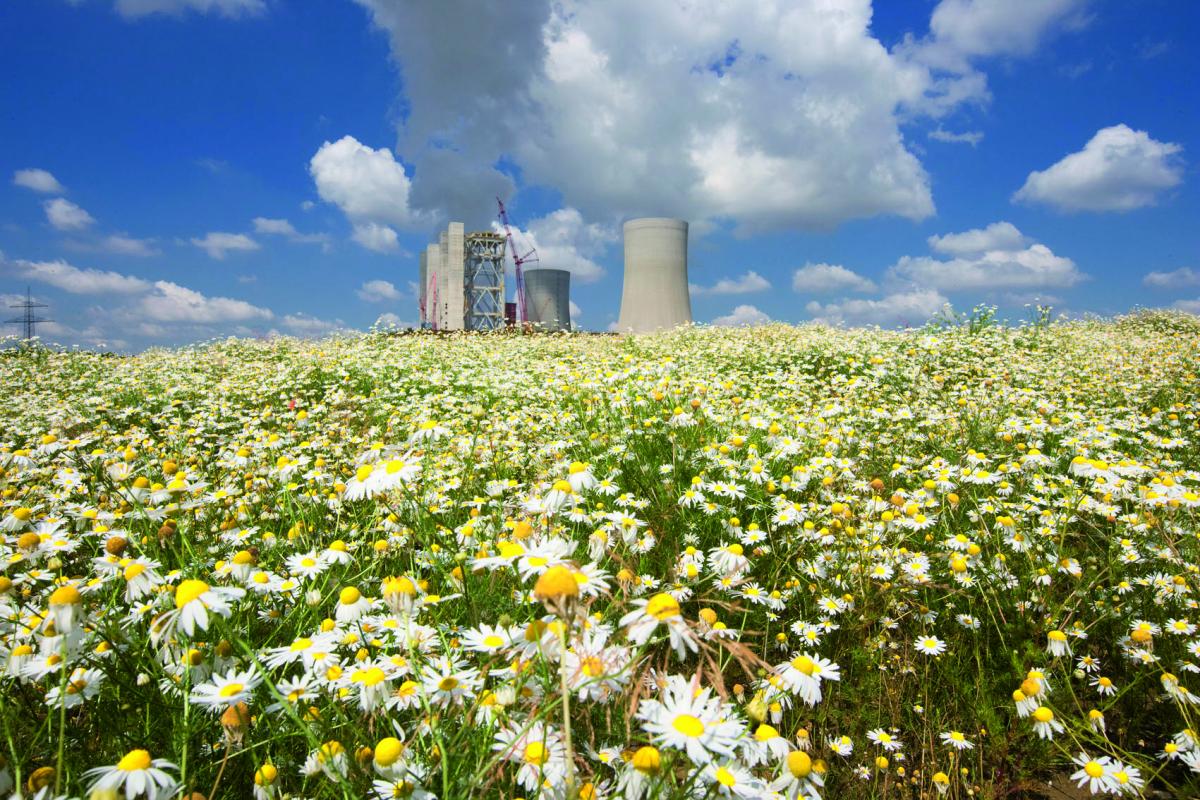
[
  {"x": 655, "y": 294},
  {"x": 548, "y": 298}
]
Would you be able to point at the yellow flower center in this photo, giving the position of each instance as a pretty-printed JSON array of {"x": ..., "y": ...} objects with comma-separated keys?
[
  {"x": 689, "y": 726},
  {"x": 1094, "y": 769},
  {"x": 535, "y": 753},
  {"x": 725, "y": 777},
  {"x": 1043, "y": 714},
  {"x": 134, "y": 761},
  {"x": 231, "y": 689},
  {"x": 448, "y": 683},
  {"x": 388, "y": 751},
  {"x": 189, "y": 590},
  {"x": 663, "y": 606},
  {"x": 799, "y": 763}
]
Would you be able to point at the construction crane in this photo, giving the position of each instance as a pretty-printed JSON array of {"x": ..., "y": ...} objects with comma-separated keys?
[{"x": 519, "y": 260}]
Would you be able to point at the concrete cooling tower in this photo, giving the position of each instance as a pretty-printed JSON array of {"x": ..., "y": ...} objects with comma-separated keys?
[
  {"x": 548, "y": 298},
  {"x": 655, "y": 295}
]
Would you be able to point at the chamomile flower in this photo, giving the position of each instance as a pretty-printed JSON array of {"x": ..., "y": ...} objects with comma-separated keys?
[{"x": 138, "y": 774}]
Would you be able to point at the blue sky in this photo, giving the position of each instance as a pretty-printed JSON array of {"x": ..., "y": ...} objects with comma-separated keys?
[{"x": 175, "y": 170}]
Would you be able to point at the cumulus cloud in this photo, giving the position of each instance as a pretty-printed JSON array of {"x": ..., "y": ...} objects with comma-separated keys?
[
  {"x": 972, "y": 28},
  {"x": 963, "y": 33},
  {"x": 136, "y": 9},
  {"x": 1190, "y": 306},
  {"x": 908, "y": 308},
  {"x": 741, "y": 316},
  {"x": 390, "y": 320},
  {"x": 1119, "y": 169},
  {"x": 374, "y": 236},
  {"x": 66, "y": 216},
  {"x": 39, "y": 180},
  {"x": 746, "y": 284},
  {"x": 972, "y": 138},
  {"x": 218, "y": 244},
  {"x": 378, "y": 291},
  {"x": 1175, "y": 279},
  {"x": 170, "y": 302},
  {"x": 820, "y": 278},
  {"x": 997, "y": 236},
  {"x": 770, "y": 114},
  {"x": 369, "y": 186},
  {"x": 306, "y": 325},
  {"x": 563, "y": 240},
  {"x": 284, "y": 228},
  {"x": 575, "y": 311},
  {"x": 122, "y": 245},
  {"x": 995, "y": 257},
  {"x": 276, "y": 226},
  {"x": 63, "y": 275}
]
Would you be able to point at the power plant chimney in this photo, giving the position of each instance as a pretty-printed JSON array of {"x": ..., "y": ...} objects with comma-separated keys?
[
  {"x": 655, "y": 294},
  {"x": 548, "y": 298}
]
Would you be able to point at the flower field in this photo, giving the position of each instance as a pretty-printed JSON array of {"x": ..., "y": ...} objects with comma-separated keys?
[{"x": 771, "y": 562}]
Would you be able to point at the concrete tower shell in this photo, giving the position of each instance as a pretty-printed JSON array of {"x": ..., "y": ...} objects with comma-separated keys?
[
  {"x": 548, "y": 298},
  {"x": 655, "y": 293}
]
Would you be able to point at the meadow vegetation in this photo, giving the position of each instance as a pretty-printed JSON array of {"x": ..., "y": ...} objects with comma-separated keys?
[{"x": 787, "y": 562}]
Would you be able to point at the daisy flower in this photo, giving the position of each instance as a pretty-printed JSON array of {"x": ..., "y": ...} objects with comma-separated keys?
[
  {"x": 956, "y": 740},
  {"x": 223, "y": 691},
  {"x": 194, "y": 601},
  {"x": 930, "y": 645},
  {"x": 692, "y": 721},
  {"x": 138, "y": 774},
  {"x": 661, "y": 609}
]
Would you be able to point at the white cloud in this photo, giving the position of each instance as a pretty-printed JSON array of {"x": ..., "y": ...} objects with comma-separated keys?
[
  {"x": 135, "y": 9},
  {"x": 1190, "y": 306},
  {"x": 972, "y": 138},
  {"x": 39, "y": 180},
  {"x": 378, "y": 291},
  {"x": 767, "y": 113},
  {"x": 964, "y": 32},
  {"x": 564, "y": 241},
  {"x": 1119, "y": 169},
  {"x": 277, "y": 226},
  {"x": 374, "y": 236},
  {"x": 170, "y": 302},
  {"x": 909, "y": 308},
  {"x": 390, "y": 320},
  {"x": 742, "y": 315},
  {"x": 218, "y": 244},
  {"x": 1034, "y": 267},
  {"x": 997, "y": 236},
  {"x": 72, "y": 279},
  {"x": 817, "y": 278},
  {"x": 999, "y": 27},
  {"x": 123, "y": 245},
  {"x": 575, "y": 311},
  {"x": 1175, "y": 279},
  {"x": 368, "y": 185},
  {"x": 66, "y": 216},
  {"x": 300, "y": 324},
  {"x": 746, "y": 284},
  {"x": 282, "y": 227}
]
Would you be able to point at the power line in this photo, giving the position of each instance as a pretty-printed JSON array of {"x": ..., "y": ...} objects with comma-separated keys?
[{"x": 29, "y": 320}]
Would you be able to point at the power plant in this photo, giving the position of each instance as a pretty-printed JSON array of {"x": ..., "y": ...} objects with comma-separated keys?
[
  {"x": 655, "y": 293},
  {"x": 462, "y": 281},
  {"x": 548, "y": 298}
]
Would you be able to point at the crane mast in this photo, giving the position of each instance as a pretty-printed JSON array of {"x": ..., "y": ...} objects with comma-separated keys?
[{"x": 519, "y": 260}]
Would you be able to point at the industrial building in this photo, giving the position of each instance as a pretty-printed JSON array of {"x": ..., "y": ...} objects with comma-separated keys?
[
  {"x": 655, "y": 294},
  {"x": 462, "y": 281},
  {"x": 548, "y": 298}
]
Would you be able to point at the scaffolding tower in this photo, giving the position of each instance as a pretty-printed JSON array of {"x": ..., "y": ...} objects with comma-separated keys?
[{"x": 483, "y": 281}]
